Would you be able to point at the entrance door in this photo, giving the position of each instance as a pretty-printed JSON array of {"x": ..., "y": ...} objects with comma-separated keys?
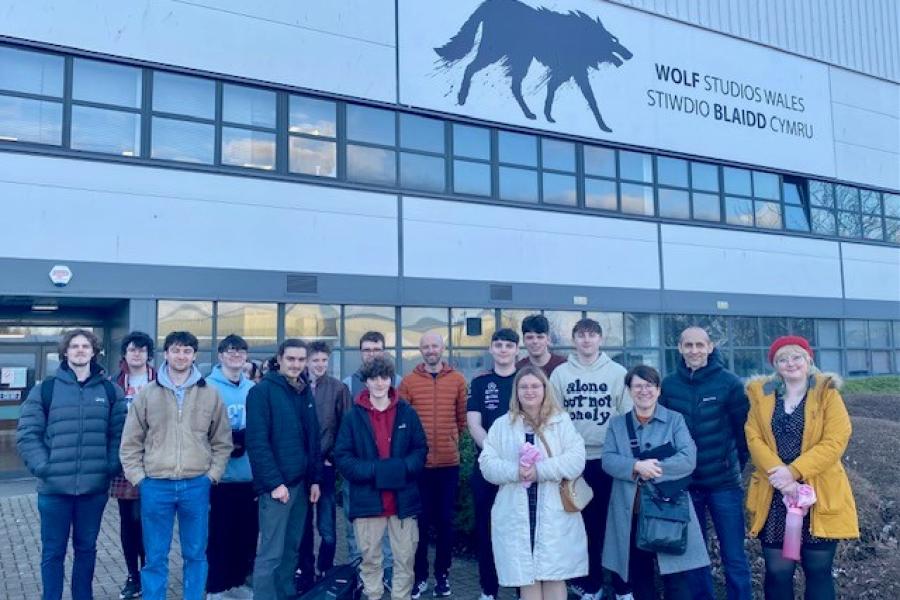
[{"x": 21, "y": 366}]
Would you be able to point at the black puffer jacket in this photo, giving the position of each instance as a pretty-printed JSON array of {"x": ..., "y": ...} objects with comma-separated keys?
[
  {"x": 282, "y": 435},
  {"x": 714, "y": 405},
  {"x": 74, "y": 448},
  {"x": 356, "y": 457}
]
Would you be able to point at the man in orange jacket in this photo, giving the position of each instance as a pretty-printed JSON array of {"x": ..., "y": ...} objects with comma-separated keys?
[{"x": 438, "y": 394}]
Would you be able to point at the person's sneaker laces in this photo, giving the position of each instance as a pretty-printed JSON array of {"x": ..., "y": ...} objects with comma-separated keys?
[
  {"x": 419, "y": 588},
  {"x": 442, "y": 587},
  {"x": 131, "y": 589}
]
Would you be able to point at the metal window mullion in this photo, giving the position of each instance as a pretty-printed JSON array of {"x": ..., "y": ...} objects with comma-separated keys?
[
  {"x": 67, "y": 103},
  {"x": 340, "y": 132},
  {"x": 495, "y": 164},
  {"x": 580, "y": 201},
  {"x": 31, "y": 96},
  {"x": 282, "y": 160},
  {"x": 217, "y": 157},
  {"x": 146, "y": 118},
  {"x": 540, "y": 169}
]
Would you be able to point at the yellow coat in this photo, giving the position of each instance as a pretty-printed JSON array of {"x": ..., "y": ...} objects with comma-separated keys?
[{"x": 825, "y": 436}]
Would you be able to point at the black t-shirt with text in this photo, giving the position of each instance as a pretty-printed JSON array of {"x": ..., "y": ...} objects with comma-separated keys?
[{"x": 489, "y": 395}]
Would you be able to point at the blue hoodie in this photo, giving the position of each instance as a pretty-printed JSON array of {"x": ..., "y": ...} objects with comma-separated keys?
[{"x": 234, "y": 396}]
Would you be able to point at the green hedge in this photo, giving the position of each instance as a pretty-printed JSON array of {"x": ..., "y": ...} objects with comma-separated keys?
[
  {"x": 464, "y": 523},
  {"x": 872, "y": 385}
]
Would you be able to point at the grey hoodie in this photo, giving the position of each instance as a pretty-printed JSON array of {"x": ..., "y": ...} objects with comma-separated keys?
[{"x": 592, "y": 395}]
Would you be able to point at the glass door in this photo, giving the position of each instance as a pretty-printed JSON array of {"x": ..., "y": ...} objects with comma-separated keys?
[{"x": 21, "y": 366}]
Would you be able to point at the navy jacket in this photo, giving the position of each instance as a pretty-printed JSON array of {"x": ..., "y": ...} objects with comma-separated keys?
[
  {"x": 74, "y": 447},
  {"x": 282, "y": 435},
  {"x": 356, "y": 457},
  {"x": 714, "y": 405}
]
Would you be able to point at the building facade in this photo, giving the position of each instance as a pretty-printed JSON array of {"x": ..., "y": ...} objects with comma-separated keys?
[{"x": 322, "y": 169}]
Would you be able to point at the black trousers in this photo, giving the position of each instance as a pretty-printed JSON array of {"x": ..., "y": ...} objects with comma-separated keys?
[
  {"x": 233, "y": 529},
  {"x": 594, "y": 515},
  {"x": 438, "y": 487},
  {"x": 131, "y": 535},
  {"x": 483, "y": 495},
  {"x": 816, "y": 560}
]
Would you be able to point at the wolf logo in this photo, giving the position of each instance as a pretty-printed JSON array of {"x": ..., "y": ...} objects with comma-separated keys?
[{"x": 568, "y": 44}]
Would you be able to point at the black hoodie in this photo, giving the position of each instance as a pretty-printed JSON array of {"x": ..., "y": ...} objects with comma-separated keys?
[{"x": 714, "y": 405}]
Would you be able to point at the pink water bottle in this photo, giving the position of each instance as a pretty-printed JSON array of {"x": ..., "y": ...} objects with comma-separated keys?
[
  {"x": 793, "y": 533},
  {"x": 797, "y": 506}
]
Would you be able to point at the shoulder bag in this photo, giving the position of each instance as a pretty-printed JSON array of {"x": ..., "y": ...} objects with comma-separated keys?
[
  {"x": 664, "y": 516},
  {"x": 575, "y": 494}
]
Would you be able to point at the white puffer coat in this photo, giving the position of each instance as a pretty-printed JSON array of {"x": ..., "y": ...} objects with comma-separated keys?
[{"x": 560, "y": 543}]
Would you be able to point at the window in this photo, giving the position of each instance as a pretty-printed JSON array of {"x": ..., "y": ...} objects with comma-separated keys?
[
  {"x": 635, "y": 166},
  {"x": 637, "y": 199},
  {"x": 375, "y": 163},
  {"x": 257, "y": 323},
  {"x": 600, "y": 189},
  {"x": 423, "y": 169},
  {"x": 248, "y": 127},
  {"x": 312, "y": 136},
  {"x": 558, "y": 163},
  {"x": 36, "y": 115},
  {"x": 472, "y": 160},
  {"x": 795, "y": 207},
  {"x": 672, "y": 176},
  {"x": 106, "y": 115},
  {"x": 183, "y": 123}
]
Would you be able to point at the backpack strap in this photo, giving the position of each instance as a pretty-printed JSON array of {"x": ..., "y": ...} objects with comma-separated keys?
[{"x": 47, "y": 386}]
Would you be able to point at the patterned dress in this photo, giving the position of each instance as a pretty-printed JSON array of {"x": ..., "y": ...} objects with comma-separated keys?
[{"x": 788, "y": 432}]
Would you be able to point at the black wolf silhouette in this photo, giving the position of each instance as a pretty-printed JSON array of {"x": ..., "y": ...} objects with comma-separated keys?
[{"x": 568, "y": 44}]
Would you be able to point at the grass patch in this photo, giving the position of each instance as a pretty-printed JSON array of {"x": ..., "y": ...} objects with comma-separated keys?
[{"x": 872, "y": 385}]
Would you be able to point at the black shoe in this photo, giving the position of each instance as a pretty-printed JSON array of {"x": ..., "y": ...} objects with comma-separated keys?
[
  {"x": 303, "y": 582},
  {"x": 418, "y": 588},
  {"x": 132, "y": 588},
  {"x": 442, "y": 587}
]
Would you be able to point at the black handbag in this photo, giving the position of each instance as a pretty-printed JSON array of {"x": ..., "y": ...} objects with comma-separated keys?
[{"x": 664, "y": 515}]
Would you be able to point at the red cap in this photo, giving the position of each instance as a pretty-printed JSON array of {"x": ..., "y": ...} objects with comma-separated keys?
[{"x": 788, "y": 340}]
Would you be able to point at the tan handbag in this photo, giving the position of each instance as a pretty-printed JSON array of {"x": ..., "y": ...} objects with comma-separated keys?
[{"x": 575, "y": 494}]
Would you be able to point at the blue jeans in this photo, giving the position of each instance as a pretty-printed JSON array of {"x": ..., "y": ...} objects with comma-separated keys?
[
  {"x": 726, "y": 507},
  {"x": 352, "y": 549},
  {"x": 161, "y": 500},
  {"x": 326, "y": 516},
  {"x": 60, "y": 515}
]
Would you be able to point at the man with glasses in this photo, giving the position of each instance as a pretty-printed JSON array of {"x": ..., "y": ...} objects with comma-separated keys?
[
  {"x": 134, "y": 373},
  {"x": 714, "y": 405},
  {"x": 371, "y": 346},
  {"x": 233, "y": 522},
  {"x": 591, "y": 388},
  {"x": 176, "y": 443}
]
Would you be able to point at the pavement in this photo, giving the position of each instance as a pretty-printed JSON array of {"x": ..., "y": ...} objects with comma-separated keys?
[{"x": 20, "y": 554}]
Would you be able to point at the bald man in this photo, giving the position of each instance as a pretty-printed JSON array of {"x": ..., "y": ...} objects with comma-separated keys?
[
  {"x": 712, "y": 400},
  {"x": 438, "y": 394}
]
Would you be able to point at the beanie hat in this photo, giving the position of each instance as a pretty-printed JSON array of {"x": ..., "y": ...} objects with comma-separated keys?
[{"x": 788, "y": 340}]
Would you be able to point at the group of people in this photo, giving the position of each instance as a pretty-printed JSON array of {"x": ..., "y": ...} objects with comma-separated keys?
[{"x": 249, "y": 467}]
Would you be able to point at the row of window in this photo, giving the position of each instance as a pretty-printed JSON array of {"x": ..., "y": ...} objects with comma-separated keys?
[
  {"x": 109, "y": 108},
  {"x": 850, "y": 346}
]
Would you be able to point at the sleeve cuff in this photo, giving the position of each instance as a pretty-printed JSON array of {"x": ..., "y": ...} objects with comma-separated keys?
[{"x": 798, "y": 476}]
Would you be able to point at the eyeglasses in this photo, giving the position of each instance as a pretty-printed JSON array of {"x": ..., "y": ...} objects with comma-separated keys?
[
  {"x": 531, "y": 388},
  {"x": 793, "y": 358},
  {"x": 235, "y": 352},
  {"x": 643, "y": 387}
]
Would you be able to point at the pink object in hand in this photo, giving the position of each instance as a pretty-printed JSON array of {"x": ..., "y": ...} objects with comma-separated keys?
[
  {"x": 528, "y": 456},
  {"x": 797, "y": 506}
]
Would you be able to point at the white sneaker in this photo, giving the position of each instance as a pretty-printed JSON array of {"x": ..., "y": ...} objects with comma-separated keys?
[
  {"x": 485, "y": 597},
  {"x": 624, "y": 597},
  {"x": 218, "y": 596},
  {"x": 594, "y": 596}
]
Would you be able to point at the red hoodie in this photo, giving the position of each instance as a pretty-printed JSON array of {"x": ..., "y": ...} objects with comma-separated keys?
[{"x": 383, "y": 427}]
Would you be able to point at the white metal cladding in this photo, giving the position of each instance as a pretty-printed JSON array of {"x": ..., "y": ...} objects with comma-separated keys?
[{"x": 862, "y": 35}]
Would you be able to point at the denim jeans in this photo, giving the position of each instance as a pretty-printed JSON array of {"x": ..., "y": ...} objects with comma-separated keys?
[
  {"x": 161, "y": 501},
  {"x": 726, "y": 507},
  {"x": 325, "y": 511},
  {"x": 352, "y": 548},
  {"x": 60, "y": 515}
]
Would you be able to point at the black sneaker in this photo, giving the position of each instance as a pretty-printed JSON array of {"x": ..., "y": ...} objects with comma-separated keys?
[
  {"x": 442, "y": 587},
  {"x": 132, "y": 588},
  {"x": 418, "y": 588}
]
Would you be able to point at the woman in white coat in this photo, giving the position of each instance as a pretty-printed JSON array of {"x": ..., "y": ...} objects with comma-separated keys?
[{"x": 537, "y": 544}]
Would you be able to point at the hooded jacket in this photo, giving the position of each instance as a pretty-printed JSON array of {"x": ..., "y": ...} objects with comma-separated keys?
[
  {"x": 440, "y": 402},
  {"x": 592, "y": 395},
  {"x": 121, "y": 378},
  {"x": 282, "y": 434},
  {"x": 176, "y": 431},
  {"x": 826, "y": 432},
  {"x": 234, "y": 396},
  {"x": 73, "y": 448},
  {"x": 714, "y": 406},
  {"x": 367, "y": 473}
]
